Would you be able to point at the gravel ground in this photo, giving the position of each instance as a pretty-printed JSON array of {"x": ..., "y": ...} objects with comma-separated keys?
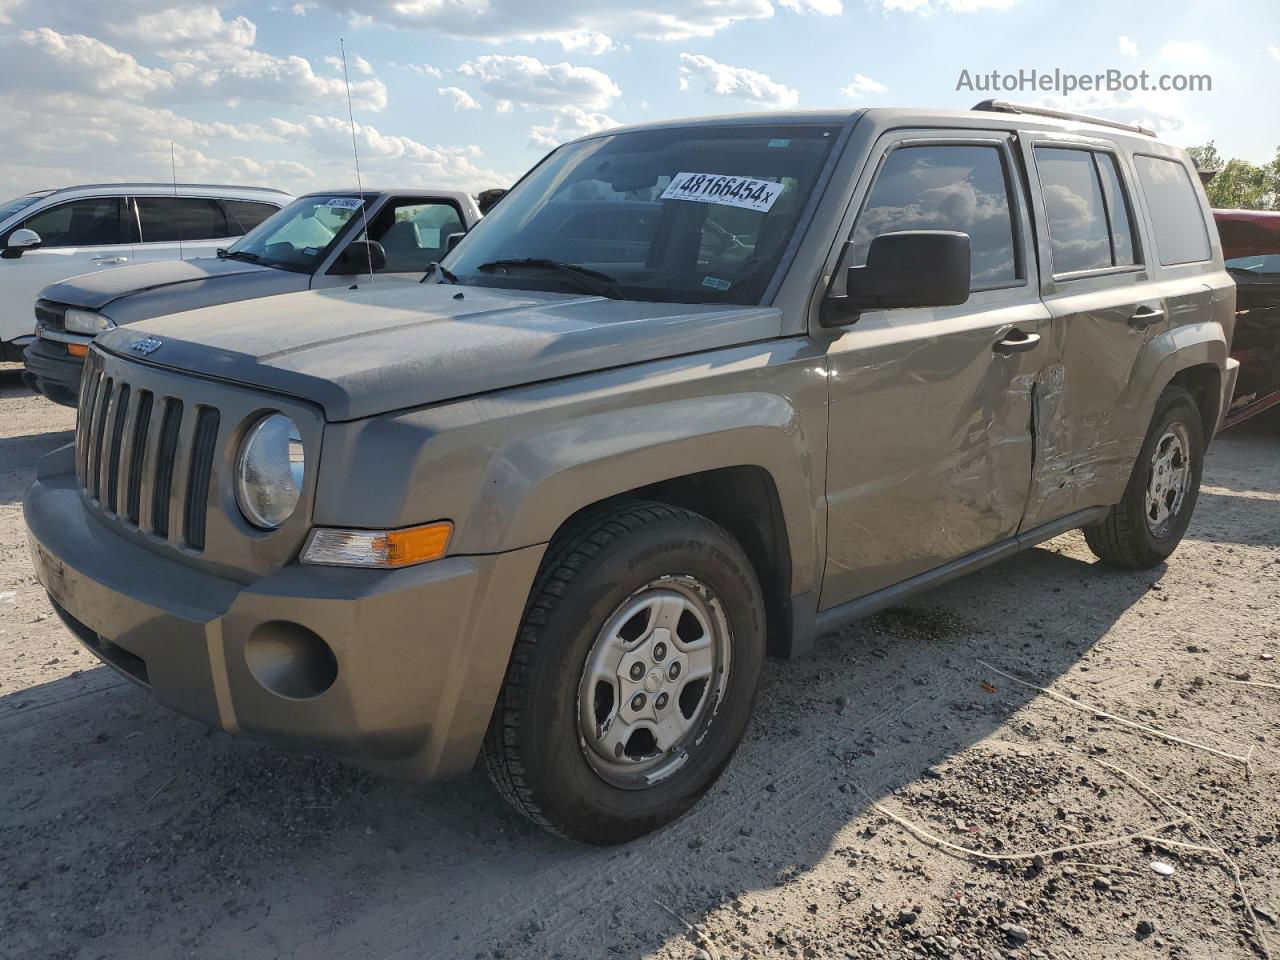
[{"x": 133, "y": 833}]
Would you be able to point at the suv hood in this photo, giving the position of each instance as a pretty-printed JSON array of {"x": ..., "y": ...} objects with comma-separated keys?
[
  {"x": 93, "y": 291},
  {"x": 362, "y": 352}
]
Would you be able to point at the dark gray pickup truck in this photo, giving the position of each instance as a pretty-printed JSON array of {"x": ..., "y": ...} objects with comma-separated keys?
[{"x": 692, "y": 392}]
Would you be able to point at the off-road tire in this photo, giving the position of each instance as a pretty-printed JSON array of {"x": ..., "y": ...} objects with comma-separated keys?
[
  {"x": 1123, "y": 538},
  {"x": 533, "y": 752}
]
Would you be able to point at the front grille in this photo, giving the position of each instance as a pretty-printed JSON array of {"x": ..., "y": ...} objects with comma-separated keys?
[
  {"x": 50, "y": 315},
  {"x": 121, "y": 446}
]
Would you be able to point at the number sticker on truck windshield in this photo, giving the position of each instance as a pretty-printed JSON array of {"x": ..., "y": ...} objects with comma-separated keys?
[
  {"x": 745, "y": 192},
  {"x": 344, "y": 203}
]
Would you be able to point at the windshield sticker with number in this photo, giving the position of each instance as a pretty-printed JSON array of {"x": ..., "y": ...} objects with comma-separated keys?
[
  {"x": 344, "y": 203},
  {"x": 746, "y": 192}
]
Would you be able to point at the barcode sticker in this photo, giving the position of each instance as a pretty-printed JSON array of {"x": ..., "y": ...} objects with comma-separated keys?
[
  {"x": 746, "y": 192},
  {"x": 344, "y": 203}
]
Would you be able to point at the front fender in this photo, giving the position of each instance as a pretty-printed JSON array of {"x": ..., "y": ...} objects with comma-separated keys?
[
  {"x": 538, "y": 482},
  {"x": 509, "y": 468}
]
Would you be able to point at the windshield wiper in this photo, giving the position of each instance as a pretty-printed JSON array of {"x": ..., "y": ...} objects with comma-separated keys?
[
  {"x": 592, "y": 281},
  {"x": 241, "y": 255},
  {"x": 435, "y": 267}
]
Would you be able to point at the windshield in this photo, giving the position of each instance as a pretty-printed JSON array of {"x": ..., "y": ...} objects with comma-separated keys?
[
  {"x": 1263, "y": 265},
  {"x": 299, "y": 236},
  {"x": 678, "y": 215},
  {"x": 10, "y": 207}
]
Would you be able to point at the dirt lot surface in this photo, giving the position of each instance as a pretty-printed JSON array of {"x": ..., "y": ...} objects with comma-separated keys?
[{"x": 133, "y": 833}]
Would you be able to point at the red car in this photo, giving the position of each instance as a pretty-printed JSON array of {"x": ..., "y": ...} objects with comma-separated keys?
[{"x": 1251, "y": 246}]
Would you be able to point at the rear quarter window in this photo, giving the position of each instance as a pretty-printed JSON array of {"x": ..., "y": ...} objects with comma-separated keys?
[{"x": 1181, "y": 233}]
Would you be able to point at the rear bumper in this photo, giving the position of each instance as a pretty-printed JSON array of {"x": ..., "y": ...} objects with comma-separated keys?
[
  {"x": 52, "y": 372},
  {"x": 417, "y": 655}
]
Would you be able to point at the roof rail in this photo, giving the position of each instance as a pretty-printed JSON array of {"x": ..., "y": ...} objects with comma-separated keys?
[
  {"x": 1004, "y": 106},
  {"x": 165, "y": 184}
]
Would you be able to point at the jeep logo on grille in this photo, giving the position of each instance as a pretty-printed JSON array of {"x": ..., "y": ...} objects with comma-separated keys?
[{"x": 146, "y": 345}]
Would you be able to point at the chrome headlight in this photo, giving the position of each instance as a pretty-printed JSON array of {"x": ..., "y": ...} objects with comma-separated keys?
[
  {"x": 85, "y": 321},
  {"x": 269, "y": 471}
]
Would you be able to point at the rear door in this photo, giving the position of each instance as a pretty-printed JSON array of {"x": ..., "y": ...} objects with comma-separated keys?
[
  {"x": 180, "y": 228},
  {"x": 929, "y": 438},
  {"x": 78, "y": 236},
  {"x": 1105, "y": 307}
]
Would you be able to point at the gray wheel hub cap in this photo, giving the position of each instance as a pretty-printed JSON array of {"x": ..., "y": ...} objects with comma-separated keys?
[
  {"x": 652, "y": 681},
  {"x": 1168, "y": 479}
]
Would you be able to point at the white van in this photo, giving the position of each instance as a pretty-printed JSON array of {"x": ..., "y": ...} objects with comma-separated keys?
[{"x": 50, "y": 235}]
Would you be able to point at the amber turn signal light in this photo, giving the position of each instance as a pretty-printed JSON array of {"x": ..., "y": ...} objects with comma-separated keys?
[{"x": 378, "y": 548}]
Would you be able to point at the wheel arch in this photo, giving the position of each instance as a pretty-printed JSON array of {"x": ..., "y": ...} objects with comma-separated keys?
[
  {"x": 1204, "y": 382},
  {"x": 744, "y": 500},
  {"x": 1191, "y": 356}
]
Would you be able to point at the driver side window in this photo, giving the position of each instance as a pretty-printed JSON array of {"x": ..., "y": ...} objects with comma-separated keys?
[
  {"x": 945, "y": 187},
  {"x": 413, "y": 233},
  {"x": 80, "y": 223}
]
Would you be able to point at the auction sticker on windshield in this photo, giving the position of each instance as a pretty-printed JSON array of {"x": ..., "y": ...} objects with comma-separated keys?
[
  {"x": 344, "y": 203},
  {"x": 746, "y": 192}
]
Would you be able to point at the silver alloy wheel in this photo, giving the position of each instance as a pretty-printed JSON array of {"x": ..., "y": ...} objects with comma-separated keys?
[
  {"x": 1168, "y": 478},
  {"x": 653, "y": 681}
]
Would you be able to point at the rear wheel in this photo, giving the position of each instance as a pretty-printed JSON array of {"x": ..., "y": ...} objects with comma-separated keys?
[
  {"x": 1147, "y": 525},
  {"x": 633, "y": 676}
]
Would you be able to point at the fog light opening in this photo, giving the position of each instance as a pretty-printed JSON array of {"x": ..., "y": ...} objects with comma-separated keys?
[{"x": 290, "y": 660}]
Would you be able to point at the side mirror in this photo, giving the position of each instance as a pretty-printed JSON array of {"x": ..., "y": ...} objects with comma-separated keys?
[
  {"x": 358, "y": 256},
  {"x": 20, "y": 241},
  {"x": 909, "y": 268},
  {"x": 452, "y": 240}
]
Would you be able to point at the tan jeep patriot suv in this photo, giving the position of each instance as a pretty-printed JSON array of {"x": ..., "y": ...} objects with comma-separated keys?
[{"x": 691, "y": 392}]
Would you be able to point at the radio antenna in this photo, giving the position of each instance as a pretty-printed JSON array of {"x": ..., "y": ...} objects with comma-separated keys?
[
  {"x": 173, "y": 177},
  {"x": 355, "y": 152}
]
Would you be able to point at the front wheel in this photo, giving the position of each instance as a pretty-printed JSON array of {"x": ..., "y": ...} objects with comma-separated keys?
[
  {"x": 633, "y": 676},
  {"x": 1145, "y": 527}
]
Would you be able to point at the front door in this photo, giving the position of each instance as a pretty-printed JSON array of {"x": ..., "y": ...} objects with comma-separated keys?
[
  {"x": 79, "y": 236},
  {"x": 929, "y": 442},
  {"x": 413, "y": 232}
]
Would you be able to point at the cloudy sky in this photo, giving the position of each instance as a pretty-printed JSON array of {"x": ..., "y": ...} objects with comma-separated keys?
[{"x": 469, "y": 93}]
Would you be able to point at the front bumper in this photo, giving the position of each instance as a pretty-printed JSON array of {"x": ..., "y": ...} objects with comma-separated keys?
[
  {"x": 52, "y": 372},
  {"x": 420, "y": 653}
]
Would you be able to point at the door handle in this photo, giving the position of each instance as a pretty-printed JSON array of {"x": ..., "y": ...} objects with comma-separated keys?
[
  {"x": 1017, "y": 341},
  {"x": 1144, "y": 317},
  {"x": 110, "y": 259}
]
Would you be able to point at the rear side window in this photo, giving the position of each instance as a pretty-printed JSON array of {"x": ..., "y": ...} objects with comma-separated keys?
[
  {"x": 244, "y": 215},
  {"x": 1181, "y": 235},
  {"x": 1119, "y": 211},
  {"x": 170, "y": 219},
  {"x": 80, "y": 223},
  {"x": 945, "y": 187},
  {"x": 1090, "y": 226}
]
